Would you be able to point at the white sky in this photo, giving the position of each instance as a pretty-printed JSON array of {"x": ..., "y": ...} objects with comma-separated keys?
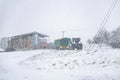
[{"x": 79, "y": 18}]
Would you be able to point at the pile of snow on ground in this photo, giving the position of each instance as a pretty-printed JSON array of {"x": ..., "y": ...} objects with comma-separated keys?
[
  {"x": 68, "y": 59},
  {"x": 100, "y": 63}
]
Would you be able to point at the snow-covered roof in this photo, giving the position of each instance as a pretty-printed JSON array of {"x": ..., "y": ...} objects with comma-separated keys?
[{"x": 39, "y": 34}]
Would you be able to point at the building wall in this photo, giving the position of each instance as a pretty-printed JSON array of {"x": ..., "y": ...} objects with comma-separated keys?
[
  {"x": 35, "y": 41},
  {"x": 4, "y": 43},
  {"x": 24, "y": 42}
]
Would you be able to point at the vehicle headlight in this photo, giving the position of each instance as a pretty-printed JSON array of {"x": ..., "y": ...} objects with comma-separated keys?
[{"x": 67, "y": 46}]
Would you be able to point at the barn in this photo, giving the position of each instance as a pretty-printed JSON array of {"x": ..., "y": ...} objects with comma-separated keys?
[{"x": 29, "y": 41}]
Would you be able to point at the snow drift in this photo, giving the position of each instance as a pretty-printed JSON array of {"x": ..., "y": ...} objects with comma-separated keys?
[{"x": 100, "y": 63}]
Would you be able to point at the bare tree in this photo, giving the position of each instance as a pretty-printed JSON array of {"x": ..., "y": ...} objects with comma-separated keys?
[{"x": 102, "y": 37}]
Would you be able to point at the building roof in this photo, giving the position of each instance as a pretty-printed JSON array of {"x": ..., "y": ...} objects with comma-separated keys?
[{"x": 29, "y": 34}]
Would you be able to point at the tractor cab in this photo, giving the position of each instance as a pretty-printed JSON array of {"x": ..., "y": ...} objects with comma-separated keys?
[{"x": 76, "y": 44}]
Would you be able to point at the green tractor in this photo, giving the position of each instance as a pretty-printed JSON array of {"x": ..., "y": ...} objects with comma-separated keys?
[
  {"x": 63, "y": 43},
  {"x": 68, "y": 44}
]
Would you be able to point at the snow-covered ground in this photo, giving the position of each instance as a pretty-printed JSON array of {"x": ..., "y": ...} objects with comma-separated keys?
[{"x": 100, "y": 63}]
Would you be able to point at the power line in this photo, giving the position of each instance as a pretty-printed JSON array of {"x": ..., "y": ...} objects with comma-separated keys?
[{"x": 107, "y": 16}]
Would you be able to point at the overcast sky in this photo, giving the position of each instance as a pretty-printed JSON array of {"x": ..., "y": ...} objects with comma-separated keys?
[{"x": 78, "y": 18}]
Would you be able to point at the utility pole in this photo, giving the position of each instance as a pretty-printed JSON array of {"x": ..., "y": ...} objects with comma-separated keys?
[{"x": 63, "y": 33}]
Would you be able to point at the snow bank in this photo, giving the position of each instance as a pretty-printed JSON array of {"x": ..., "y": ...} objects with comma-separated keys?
[
  {"x": 100, "y": 63},
  {"x": 53, "y": 59}
]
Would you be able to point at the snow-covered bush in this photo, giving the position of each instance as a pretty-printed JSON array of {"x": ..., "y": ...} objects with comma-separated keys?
[
  {"x": 114, "y": 39},
  {"x": 102, "y": 37},
  {"x": 111, "y": 38}
]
